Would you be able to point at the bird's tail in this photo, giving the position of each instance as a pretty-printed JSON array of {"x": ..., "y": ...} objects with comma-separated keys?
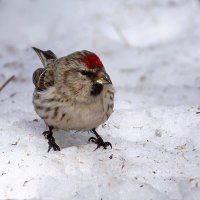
[{"x": 44, "y": 55}]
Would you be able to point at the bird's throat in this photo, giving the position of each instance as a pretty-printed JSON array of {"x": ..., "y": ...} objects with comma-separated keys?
[{"x": 96, "y": 89}]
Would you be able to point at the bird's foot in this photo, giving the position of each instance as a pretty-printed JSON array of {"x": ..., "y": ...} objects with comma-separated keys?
[
  {"x": 100, "y": 143},
  {"x": 51, "y": 141}
]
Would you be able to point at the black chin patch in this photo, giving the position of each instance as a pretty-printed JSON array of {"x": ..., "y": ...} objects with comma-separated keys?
[{"x": 96, "y": 89}]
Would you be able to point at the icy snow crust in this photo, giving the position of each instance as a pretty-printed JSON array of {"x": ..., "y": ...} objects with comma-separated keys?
[{"x": 151, "y": 49}]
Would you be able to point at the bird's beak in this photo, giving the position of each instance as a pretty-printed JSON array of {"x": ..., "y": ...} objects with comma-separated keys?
[{"x": 103, "y": 78}]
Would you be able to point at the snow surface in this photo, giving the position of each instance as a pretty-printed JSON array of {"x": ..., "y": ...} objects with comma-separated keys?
[{"x": 151, "y": 49}]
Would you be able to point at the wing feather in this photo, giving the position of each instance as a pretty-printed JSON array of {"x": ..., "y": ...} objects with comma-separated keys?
[{"x": 43, "y": 78}]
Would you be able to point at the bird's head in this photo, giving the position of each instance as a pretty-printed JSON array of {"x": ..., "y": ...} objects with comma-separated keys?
[{"x": 83, "y": 75}]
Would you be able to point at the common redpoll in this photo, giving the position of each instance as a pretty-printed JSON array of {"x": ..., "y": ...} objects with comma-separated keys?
[{"x": 72, "y": 93}]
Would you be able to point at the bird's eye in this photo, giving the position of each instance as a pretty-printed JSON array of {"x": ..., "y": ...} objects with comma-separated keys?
[
  {"x": 83, "y": 72},
  {"x": 86, "y": 73}
]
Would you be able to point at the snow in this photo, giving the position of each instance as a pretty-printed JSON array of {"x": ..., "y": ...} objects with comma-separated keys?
[{"x": 151, "y": 49}]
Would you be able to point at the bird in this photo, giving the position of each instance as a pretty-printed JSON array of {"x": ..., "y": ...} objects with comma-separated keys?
[{"x": 73, "y": 92}]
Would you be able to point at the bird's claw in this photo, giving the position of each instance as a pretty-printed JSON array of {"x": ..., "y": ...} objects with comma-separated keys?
[
  {"x": 51, "y": 141},
  {"x": 92, "y": 139},
  {"x": 52, "y": 144},
  {"x": 45, "y": 133},
  {"x": 100, "y": 143}
]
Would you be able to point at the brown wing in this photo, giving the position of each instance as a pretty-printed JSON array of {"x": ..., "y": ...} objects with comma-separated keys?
[{"x": 43, "y": 78}]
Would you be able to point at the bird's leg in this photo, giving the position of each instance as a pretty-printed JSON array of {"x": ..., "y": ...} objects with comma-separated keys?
[
  {"x": 99, "y": 141},
  {"x": 51, "y": 140}
]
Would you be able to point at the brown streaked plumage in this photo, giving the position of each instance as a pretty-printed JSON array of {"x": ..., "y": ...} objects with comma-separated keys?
[{"x": 72, "y": 93}]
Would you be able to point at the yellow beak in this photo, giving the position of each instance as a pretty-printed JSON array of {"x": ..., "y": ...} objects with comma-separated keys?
[{"x": 103, "y": 79}]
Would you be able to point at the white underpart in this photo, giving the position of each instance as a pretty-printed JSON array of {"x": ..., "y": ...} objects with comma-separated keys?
[{"x": 77, "y": 115}]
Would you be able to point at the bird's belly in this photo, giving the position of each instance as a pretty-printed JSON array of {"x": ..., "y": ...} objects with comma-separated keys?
[
  {"x": 84, "y": 119},
  {"x": 77, "y": 119},
  {"x": 68, "y": 115}
]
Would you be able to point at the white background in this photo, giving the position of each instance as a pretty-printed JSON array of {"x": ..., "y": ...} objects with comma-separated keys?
[{"x": 151, "y": 50}]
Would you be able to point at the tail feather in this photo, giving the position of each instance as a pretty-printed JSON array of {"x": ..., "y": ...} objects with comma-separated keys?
[{"x": 44, "y": 55}]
